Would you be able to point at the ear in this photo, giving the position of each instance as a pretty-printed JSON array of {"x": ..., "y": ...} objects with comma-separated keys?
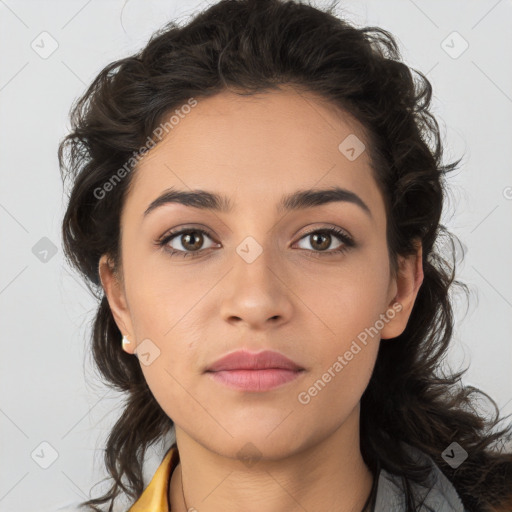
[
  {"x": 114, "y": 291},
  {"x": 407, "y": 284}
]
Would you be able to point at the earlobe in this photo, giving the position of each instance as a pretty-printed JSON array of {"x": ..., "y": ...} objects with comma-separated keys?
[
  {"x": 408, "y": 282},
  {"x": 125, "y": 343},
  {"x": 115, "y": 295}
]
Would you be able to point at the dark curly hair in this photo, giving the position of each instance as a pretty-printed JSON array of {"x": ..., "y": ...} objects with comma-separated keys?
[{"x": 250, "y": 46}]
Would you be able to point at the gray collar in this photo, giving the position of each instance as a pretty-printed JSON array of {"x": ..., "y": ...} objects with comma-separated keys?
[{"x": 438, "y": 495}]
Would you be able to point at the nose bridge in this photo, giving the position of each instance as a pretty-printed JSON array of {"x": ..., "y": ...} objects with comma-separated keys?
[
  {"x": 256, "y": 292},
  {"x": 257, "y": 242},
  {"x": 255, "y": 261}
]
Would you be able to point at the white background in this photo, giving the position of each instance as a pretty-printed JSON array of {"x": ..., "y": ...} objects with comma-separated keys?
[{"x": 48, "y": 391}]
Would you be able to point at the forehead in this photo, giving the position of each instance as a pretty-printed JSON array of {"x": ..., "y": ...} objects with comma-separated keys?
[{"x": 255, "y": 147}]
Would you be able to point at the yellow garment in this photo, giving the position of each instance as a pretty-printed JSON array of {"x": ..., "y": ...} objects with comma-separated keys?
[{"x": 155, "y": 496}]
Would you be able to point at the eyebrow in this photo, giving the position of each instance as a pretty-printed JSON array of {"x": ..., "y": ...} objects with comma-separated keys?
[{"x": 301, "y": 199}]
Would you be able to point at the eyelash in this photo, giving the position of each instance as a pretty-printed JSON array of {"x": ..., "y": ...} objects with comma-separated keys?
[{"x": 348, "y": 242}]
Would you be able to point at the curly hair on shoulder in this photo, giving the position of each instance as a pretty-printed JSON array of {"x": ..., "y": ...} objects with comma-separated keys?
[{"x": 252, "y": 46}]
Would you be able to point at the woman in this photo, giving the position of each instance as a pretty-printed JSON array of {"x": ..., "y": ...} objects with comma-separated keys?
[{"x": 255, "y": 199}]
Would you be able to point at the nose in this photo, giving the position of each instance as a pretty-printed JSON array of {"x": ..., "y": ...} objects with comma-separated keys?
[{"x": 257, "y": 293}]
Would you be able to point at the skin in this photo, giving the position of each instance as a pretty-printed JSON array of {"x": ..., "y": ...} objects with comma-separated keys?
[{"x": 255, "y": 149}]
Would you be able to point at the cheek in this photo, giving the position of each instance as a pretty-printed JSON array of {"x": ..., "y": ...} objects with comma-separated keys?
[
  {"x": 173, "y": 371},
  {"x": 348, "y": 304},
  {"x": 339, "y": 384},
  {"x": 344, "y": 357},
  {"x": 162, "y": 295},
  {"x": 345, "y": 300}
]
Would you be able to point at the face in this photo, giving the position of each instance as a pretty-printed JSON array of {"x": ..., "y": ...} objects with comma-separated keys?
[{"x": 257, "y": 276}]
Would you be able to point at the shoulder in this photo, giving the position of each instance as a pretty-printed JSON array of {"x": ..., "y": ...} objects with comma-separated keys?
[{"x": 437, "y": 494}]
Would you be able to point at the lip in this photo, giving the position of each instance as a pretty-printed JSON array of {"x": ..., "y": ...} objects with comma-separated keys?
[
  {"x": 245, "y": 360},
  {"x": 255, "y": 380},
  {"x": 254, "y": 372}
]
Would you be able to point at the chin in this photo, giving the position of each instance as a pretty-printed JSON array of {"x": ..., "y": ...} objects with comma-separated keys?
[{"x": 252, "y": 446}]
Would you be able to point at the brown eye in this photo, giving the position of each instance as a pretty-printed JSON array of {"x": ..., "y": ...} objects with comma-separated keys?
[
  {"x": 186, "y": 242},
  {"x": 321, "y": 239}
]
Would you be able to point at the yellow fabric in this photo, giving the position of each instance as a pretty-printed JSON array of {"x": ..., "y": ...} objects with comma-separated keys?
[{"x": 154, "y": 496}]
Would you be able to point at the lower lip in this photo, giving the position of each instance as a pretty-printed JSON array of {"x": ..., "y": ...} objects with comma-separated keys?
[{"x": 255, "y": 380}]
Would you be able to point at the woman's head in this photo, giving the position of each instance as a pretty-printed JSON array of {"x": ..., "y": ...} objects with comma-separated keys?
[
  {"x": 255, "y": 102},
  {"x": 262, "y": 276}
]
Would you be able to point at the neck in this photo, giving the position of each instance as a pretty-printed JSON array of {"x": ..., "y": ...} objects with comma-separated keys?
[{"x": 328, "y": 475}]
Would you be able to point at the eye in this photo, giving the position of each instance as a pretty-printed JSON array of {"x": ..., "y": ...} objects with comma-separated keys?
[
  {"x": 186, "y": 242},
  {"x": 321, "y": 239}
]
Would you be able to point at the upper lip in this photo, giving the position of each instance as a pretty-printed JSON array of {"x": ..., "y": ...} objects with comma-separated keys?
[{"x": 245, "y": 360}]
